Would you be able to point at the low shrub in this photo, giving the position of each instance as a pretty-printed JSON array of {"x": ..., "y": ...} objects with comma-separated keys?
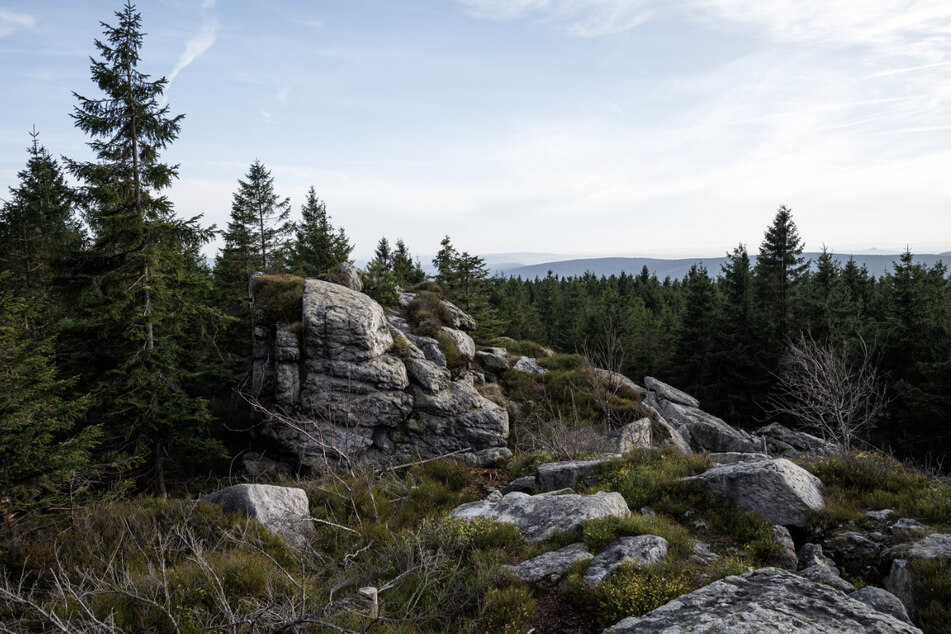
[
  {"x": 277, "y": 299},
  {"x": 859, "y": 481},
  {"x": 508, "y": 610},
  {"x": 522, "y": 348},
  {"x": 598, "y": 533},
  {"x": 426, "y": 285},
  {"x": 525, "y": 463},
  {"x": 427, "y": 314},
  {"x": 629, "y": 591},
  {"x": 932, "y": 588}
]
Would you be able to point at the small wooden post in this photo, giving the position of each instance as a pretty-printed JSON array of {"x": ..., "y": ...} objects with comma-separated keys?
[{"x": 369, "y": 594}]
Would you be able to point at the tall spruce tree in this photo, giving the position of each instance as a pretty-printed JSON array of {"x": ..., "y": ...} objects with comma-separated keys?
[
  {"x": 264, "y": 216},
  {"x": 140, "y": 292},
  {"x": 779, "y": 270},
  {"x": 38, "y": 223},
  {"x": 318, "y": 248}
]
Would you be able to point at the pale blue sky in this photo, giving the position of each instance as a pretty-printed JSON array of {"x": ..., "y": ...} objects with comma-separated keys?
[{"x": 588, "y": 127}]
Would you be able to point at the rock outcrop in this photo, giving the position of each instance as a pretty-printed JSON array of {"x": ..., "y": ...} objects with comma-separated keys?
[
  {"x": 782, "y": 441},
  {"x": 541, "y": 516},
  {"x": 782, "y": 492},
  {"x": 282, "y": 510},
  {"x": 765, "y": 600},
  {"x": 643, "y": 550},
  {"x": 551, "y": 476},
  {"x": 550, "y": 566},
  {"x": 902, "y": 578},
  {"x": 703, "y": 431},
  {"x": 354, "y": 383}
]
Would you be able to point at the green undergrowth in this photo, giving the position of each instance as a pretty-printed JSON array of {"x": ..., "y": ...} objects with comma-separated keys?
[
  {"x": 653, "y": 478},
  {"x": 427, "y": 314},
  {"x": 523, "y": 348},
  {"x": 181, "y": 565},
  {"x": 277, "y": 299},
  {"x": 862, "y": 481},
  {"x": 570, "y": 396}
]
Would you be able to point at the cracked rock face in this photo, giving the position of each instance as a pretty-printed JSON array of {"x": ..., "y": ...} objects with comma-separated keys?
[
  {"x": 643, "y": 550},
  {"x": 541, "y": 516},
  {"x": 702, "y": 430},
  {"x": 550, "y": 566},
  {"x": 782, "y": 492},
  {"x": 765, "y": 600},
  {"x": 361, "y": 384}
]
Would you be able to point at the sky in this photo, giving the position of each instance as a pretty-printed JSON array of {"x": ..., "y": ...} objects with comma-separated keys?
[{"x": 577, "y": 127}]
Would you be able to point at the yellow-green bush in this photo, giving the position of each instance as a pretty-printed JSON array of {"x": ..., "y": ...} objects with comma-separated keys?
[
  {"x": 932, "y": 588},
  {"x": 427, "y": 314},
  {"x": 277, "y": 299},
  {"x": 508, "y": 610},
  {"x": 859, "y": 481},
  {"x": 629, "y": 591}
]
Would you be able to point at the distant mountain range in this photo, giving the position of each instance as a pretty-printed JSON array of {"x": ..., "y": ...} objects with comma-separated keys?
[{"x": 877, "y": 265}]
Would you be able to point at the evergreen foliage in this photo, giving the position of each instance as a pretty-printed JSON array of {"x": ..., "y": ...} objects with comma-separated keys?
[
  {"x": 141, "y": 290},
  {"x": 38, "y": 223},
  {"x": 318, "y": 248},
  {"x": 779, "y": 272},
  {"x": 41, "y": 444}
]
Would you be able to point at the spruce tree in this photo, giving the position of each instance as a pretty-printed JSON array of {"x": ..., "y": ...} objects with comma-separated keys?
[
  {"x": 38, "y": 223},
  {"x": 264, "y": 216},
  {"x": 695, "y": 336},
  {"x": 40, "y": 441},
  {"x": 139, "y": 306},
  {"x": 318, "y": 248},
  {"x": 779, "y": 270},
  {"x": 406, "y": 270}
]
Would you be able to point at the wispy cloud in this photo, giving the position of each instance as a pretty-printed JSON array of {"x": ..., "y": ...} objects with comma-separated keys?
[
  {"x": 11, "y": 21},
  {"x": 200, "y": 43},
  {"x": 581, "y": 18}
]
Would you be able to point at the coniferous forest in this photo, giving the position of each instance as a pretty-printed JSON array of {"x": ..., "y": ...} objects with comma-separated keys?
[{"x": 125, "y": 356}]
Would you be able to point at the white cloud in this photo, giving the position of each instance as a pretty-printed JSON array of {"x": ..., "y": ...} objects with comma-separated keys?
[
  {"x": 581, "y": 18},
  {"x": 11, "y": 21},
  {"x": 196, "y": 46}
]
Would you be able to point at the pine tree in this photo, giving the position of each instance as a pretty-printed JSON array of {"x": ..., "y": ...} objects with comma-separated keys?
[
  {"x": 140, "y": 292},
  {"x": 779, "y": 270},
  {"x": 383, "y": 255},
  {"x": 38, "y": 223},
  {"x": 444, "y": 262},
  {"x": 318, "y": 248}
]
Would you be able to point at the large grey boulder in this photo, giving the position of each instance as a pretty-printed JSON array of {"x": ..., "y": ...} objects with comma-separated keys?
[
  {"x": 883, "y": 601},
  {"x": 768, "y": 600},
  {"x": 643, "y": 550},
  {"x": 781, "y": 440},
  {"x": 359, "y": 384},
  {"x": 342, "y": 324},
  {"x": 782, "y": 492},
  {"x": 701, "y": 430},
  {"x": 667, "y": 393},
  {"x": 615, "y": 379},
  {"x": 906, "y": 529},
  {"x": 529, "y": 365},
  {"x": 550, "y": 566},
  {"x": 541, "y": 516},
  {"x": 902, "y": 578},
  {"x": 828, "y": 575},
  {"x": 353, "y": 277},
  {"x": 728, "y": 457},
  {"x": 463, "y": 343},
  {"x": 558, "y": 475},
  {"x": 282, "y": 510},
  {"x": 494, "y": 360},
  {"x": 636, "y": 435}
]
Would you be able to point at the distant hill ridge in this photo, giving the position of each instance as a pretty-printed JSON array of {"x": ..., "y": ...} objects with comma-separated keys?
[{"x": 877, "y": 265}]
